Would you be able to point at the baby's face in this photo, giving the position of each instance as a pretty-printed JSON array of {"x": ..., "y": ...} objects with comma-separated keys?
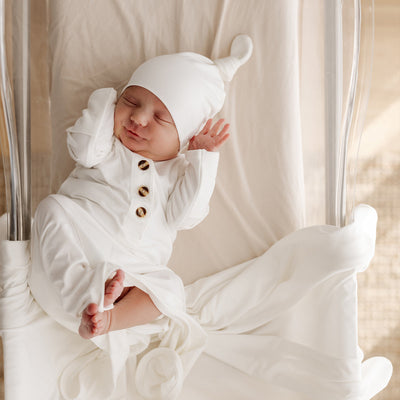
[{"x": 144, "y": 125}]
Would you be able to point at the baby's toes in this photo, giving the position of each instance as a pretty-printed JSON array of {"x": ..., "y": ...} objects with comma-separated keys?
[
  {"x": 120, "y": 276},
  {"x": 96, "y": 327},
  {"x": 96, "y": 319},
  {"x": 100, "y": 326}
]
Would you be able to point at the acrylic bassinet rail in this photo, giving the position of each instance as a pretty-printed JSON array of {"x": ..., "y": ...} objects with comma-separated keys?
[{"x": 15, "y": 140}]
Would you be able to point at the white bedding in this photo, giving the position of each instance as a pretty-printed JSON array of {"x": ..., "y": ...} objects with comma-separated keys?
[{"x": 295, "y": 331}]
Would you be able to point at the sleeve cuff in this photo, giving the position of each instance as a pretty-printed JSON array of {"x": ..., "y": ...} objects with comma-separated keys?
[{"x": 201, "y": 156}]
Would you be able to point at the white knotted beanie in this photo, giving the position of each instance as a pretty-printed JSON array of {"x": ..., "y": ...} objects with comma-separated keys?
[{"x": 190, "y": 85}]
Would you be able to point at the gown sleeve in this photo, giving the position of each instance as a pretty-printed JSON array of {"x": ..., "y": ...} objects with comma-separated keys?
[
  {"x": 188, "y": 204},
  {"x": 91, "y": 138}
]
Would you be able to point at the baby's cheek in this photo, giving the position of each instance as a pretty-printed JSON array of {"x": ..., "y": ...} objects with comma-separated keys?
[{"x": 116, "y": 130}]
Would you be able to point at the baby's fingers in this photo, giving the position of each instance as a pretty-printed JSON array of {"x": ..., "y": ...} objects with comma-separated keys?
[
  {"x": 224, "y": 130},
  {"x": 214, "y": 130},
  {"x": 221, "y": 139},
  {"x": 206, "y": 128}
]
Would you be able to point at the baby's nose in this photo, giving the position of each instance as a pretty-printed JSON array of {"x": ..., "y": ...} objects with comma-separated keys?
[{"x": 139, "y": 117}]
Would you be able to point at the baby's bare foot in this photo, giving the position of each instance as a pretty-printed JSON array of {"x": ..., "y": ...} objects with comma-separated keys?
[
  {"x": 113, "y": 288},
  {"x": 93, "y": 322}
]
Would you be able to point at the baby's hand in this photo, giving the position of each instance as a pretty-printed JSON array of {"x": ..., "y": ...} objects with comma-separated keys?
[{"x": 209, "y": 139}]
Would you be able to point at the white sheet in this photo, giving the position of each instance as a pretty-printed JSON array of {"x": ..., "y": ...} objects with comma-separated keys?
[
  {"x": 291, "y": 330},
  {"x": 259, "y": 196}
]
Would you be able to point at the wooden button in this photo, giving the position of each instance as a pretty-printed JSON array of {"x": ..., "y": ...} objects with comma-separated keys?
[
  {"x": 141, "y": 212},
  {"x": 143, "y": 165},
  {"x": 143, "y": 191}
]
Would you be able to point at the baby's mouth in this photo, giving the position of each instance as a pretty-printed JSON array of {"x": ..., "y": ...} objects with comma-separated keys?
[{"x": 134, "y": 134}]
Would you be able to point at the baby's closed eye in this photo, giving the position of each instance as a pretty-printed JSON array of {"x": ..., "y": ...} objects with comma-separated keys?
[
  {"x": 130, "y": 101},
  {"x": 162, "y": 118}
]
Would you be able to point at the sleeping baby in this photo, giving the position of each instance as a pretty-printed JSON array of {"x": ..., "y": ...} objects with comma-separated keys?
[
  {"x": 146, "y": 164},
  {"x": 145, "y": 127}
]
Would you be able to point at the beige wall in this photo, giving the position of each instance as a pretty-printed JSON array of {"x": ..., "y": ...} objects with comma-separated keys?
[
  {"x": 378, "y": 184},
  {"x": 383, "y": 115}
]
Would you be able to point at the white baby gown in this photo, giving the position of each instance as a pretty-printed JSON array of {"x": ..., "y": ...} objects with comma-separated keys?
[{"x": 100, "y": 222}]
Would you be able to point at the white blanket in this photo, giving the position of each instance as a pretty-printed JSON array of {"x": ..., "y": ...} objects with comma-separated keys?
[{"x": 287, "y": 317}]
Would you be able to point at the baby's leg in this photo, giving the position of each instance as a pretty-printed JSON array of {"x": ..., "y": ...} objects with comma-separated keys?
[{"x": 135, "y": 308}]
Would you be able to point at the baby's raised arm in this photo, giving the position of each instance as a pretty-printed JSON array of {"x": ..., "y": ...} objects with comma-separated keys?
[
  {"x": 188, "y": 204},
  {"x": 211, "y": 137}
]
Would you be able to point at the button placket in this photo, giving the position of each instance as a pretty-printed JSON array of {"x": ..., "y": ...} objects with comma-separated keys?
[{"x": 142, "y": 190}]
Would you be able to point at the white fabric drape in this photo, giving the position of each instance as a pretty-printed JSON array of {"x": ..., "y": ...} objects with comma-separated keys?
[{"x": 296, "y": 329}]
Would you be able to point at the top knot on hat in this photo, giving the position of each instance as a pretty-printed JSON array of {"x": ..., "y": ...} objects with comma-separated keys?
[
  {"x": 241, "y": 49},
  {"x": 190, "y": 85}
]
